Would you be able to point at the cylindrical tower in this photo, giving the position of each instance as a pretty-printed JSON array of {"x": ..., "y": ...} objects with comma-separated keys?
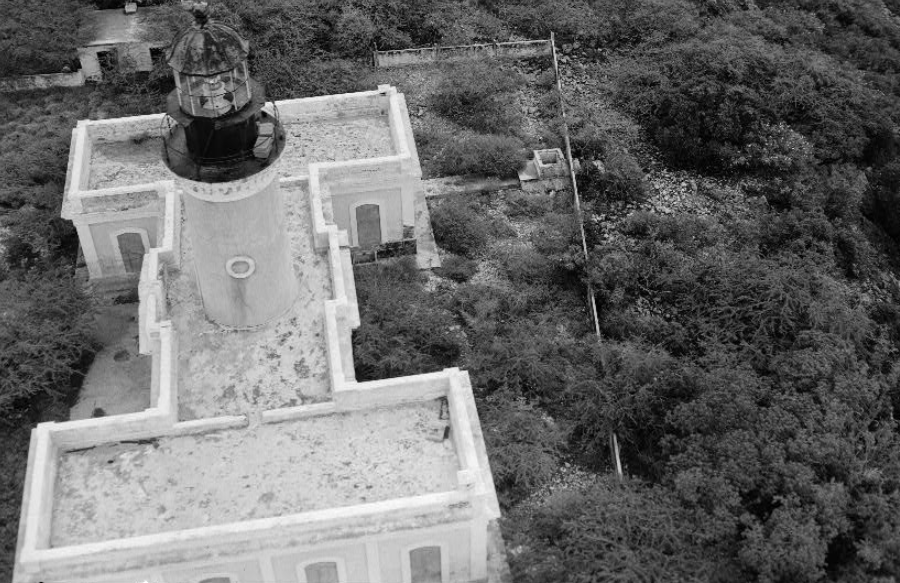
[{"x": 224, "y": 150}]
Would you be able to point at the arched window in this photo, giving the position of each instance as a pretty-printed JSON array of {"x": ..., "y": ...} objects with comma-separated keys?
[
  {"x": 218, "y": 579},
  {"x": 327, "y": 570}
]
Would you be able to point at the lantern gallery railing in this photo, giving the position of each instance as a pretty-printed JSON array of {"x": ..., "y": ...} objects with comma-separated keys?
[
  {"x": 263, "y": 146},
  {"x": 214, "y": 95}
]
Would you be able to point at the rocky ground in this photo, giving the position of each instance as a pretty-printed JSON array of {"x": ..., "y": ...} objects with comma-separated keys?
[{"x": 584, "y": 83}]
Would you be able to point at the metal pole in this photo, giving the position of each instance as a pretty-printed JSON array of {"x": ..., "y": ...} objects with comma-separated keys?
[{"x": 592, "y": 300}]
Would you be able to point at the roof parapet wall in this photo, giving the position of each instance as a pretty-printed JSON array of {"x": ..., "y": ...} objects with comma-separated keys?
[{"x": 473, "y": 497}]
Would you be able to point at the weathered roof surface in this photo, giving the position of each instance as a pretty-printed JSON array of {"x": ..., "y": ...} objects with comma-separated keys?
[
  {"x": 207, "y": 48},
  {"x": 280, "y": 364},
  {"x": 114, "y": 26},
  {"x": 136, "y": 160},
  {"x": 231, "y": 475}
]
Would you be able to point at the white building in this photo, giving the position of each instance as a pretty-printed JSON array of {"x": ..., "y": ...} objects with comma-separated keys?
[{"x": 261, "y": 458}]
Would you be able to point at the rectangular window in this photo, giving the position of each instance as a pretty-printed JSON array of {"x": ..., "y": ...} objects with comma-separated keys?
[
  {"x": 325, "y": 572},
  {"x": 425, "y": 565}
]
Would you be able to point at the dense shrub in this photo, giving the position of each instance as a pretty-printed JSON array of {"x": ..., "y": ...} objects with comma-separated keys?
[
  {"x": 44, "y": 335},
  {"x": 355, "y": 33},
  {"x": 610, "y": 532},
  {"x": 25, "y": 32},
  {"x": 481, "y": 154},
  {"x": 456, "y": 268},
  {"x": 570, "y": 20},
  {"x": 523, "y": 204},
  {"x": 523, "y": 265},
  {"x": 454, "y": 23},
  {"x": 528, "y": 356},
  {"x": 286, "y": 79},
  {"x": 729, "y": 99},
  {"x": 408, "y": 332},
  {"x": 885, "y": 195},
  {"x": 620, "y": 180},
  {"x": 590, "y": 142},
  {"x": 648, "y": 21},
  {"x": 459, "y": 227},
  {"x": 479, "y": 94},
  {"x": 524, "y": 445}
]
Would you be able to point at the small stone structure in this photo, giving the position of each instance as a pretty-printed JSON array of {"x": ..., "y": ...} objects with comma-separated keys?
[
  {"x": 119, "y": 42},
  {"x": 547, "y": 170}
]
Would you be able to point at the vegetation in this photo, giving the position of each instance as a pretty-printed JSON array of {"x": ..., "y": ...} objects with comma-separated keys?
[
  {"x": 25, "y": 29},
  {"x": 748, "y": 362},
  {"x": 479, "y": 95},
  {"x": 481, "y": 154},
  {"x": 752, "y": 386},
  {"x": 460, "y": 228},
  {"x": 44, "y": 335}
]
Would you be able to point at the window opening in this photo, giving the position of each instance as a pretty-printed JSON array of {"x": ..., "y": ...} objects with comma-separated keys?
[
  {"x": 324, "y": 572},
  {"x": 425, "y": 565},
  {"x": 368, "y": 225},
  {"x": 131, "y": 248}
]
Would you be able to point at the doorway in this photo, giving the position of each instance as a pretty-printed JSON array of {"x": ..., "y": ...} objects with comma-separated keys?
[
  {"x": 368, "y": 225},
  {"x": 131, "y": 248}
]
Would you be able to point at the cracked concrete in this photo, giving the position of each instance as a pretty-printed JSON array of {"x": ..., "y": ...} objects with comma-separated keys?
[
  {"x": 173, "y": 483},
  {"x": 130, "y": 162},
  {"x": 281, "y": 364}
]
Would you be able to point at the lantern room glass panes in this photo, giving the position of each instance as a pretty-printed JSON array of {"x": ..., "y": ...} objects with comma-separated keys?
[{"x": 213, "y": 95}]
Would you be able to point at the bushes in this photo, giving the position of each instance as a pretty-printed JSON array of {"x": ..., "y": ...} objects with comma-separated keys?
[
  {"x": 458, "y": 269},
  {"x": 479, "y": 94},
  {"x": 590, "y": 142},
  {"x": 885, "y": 196},
  {"x": 44, "y": 337},
  {"x": 288, "y": 79},
  {"x": 355, "y": 33},
  {"x": 523, "y": 444},
  {"x": 481, "y": 154},
  {"x": 611, "y": 532},
  {"x": 524, "y": 265},
  {"x": 523, "y": 204},
  {"x": 620, "y": 180},
  {"x": 404, "y": 331},
  {"x": 460, "y": 228},
  {"x": 729, "y": 99},
  {"x": 653, "y": 21},
  {"x": 25, "y": 30},
  {"x": 570, "y": 20}
]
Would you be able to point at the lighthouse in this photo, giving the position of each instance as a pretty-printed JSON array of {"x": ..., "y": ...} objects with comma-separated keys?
[{"x": 223, "y": 148}]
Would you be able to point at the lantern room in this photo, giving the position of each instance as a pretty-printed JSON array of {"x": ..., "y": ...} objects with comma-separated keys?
[
  {"x": 217, "y": 128},
  {"x": 209, "y": 61}
]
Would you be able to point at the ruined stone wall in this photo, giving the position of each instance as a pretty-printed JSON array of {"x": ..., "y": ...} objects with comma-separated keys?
[
  {"x": 26, "y": 82},
  {"x": 515, "y": 49}
]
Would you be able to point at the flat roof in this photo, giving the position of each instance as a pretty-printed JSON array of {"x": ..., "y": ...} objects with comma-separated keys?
[
  {"x": 281, "y": 364},
  {"x": 114, "y": 26},
  {"x": 137, "y": 160},
  {"x": 174, "y": 483}
]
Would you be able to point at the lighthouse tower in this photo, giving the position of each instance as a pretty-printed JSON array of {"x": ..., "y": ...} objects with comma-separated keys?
[{"x": 223, "y": 149}]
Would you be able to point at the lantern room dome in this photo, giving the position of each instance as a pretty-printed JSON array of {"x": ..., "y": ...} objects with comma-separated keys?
[{"x": 207, "y": 48}]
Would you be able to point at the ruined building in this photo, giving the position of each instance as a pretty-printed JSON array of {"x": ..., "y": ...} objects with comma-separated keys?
[{"x": 261, "y": 458}]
